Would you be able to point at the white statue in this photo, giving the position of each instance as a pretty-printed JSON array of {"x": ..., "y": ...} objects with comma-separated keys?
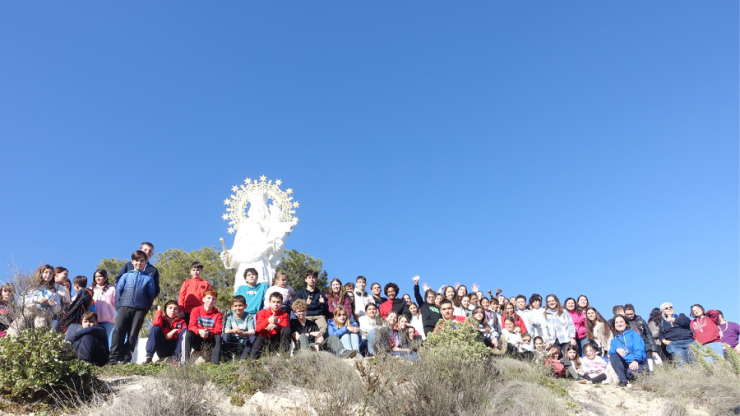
[{"x": 260, "y": 235}]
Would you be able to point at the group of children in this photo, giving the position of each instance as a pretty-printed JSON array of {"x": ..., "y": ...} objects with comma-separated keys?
[{"x": 572, "y": 338}]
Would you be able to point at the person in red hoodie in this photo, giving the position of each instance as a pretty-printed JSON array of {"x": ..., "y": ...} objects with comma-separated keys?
[
  {"x": 273, "y": 328},
  {"x": 191, "y": 291},
  {"x": 167, "y": 331},
  {"x": 706, "y": 329},
  {"x": 204, "y": 330}
]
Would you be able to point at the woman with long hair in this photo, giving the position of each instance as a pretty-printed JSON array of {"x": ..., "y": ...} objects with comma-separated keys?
[
  {"x": 43, "y": 296},
  {"x": 656, "y": 317},
  {"x": 416, "y": 320},
  {"x": 104, "y": 295},
  {"x": 598, "y": 331},
  {"x": 490, "y": 335},
  {"x": 559, "y": 329},
  {"x": 579, "y": 322},
  {"x": 510, "y": 312},
  {"x": 341, "y": 327},
  {"x": 337, "y": 297}
]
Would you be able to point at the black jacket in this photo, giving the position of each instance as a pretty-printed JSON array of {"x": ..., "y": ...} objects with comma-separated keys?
[
  {"x": 641, "y": 327},
  {"x": 429, "y": 313},
  {"x": 149, "y": 269},
  {"x": 679, "y": 330},
  {"x": 315, "y": 307},
  {"x": 82, "y": 303},
  {"x": 400, "y": 307},
  {"x": 91, "y": 345}
]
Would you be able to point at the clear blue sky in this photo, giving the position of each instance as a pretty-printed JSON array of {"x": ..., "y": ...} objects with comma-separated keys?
[{"x": 570, "y": 147}]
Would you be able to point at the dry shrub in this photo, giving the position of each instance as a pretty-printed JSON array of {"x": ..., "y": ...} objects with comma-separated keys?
[
  {"x": 180, "y": 391},
  {"x": 672, "y": 408},
  {"x": 718, "y": 391},
  {"x": 333, "y": 383},
  {"x": 523, "y": 399}
]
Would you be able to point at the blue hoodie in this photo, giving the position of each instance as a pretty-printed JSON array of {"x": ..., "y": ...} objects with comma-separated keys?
[
  {"x": 631, "y": 342},
  {"x": 135, "y": 289},
  {"x": 339, "y": 332}
]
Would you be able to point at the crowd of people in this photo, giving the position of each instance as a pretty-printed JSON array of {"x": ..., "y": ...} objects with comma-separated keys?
[{"x": 572, "y": 338}]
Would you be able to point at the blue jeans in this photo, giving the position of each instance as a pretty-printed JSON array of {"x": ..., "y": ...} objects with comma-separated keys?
[
  {"x": 680, "y": 351},
  {"x": 582, "y": 342},
  {"x": 371, "y": 342},
  {"x": 156, "y": 342},
  {"x": 108, "y": 330},
  {"x": 621, "y": 367},
  {"x": 717, "y": 347},
  {"x": 351, "y": 341},
  {"x": 411, "y": 356}
]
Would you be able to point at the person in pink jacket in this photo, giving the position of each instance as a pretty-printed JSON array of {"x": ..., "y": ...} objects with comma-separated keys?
[
  {"x": 579, "y": 322},
  {"x": 104, "y": 295}
]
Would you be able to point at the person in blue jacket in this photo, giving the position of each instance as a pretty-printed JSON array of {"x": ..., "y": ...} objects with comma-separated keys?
[
  {"x": 627, "y": 351},
  {"x": 135, "y": 293}
]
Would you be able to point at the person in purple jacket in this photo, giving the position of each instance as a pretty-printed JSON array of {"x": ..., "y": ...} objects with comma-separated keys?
[{"x": 730, "y": 332}]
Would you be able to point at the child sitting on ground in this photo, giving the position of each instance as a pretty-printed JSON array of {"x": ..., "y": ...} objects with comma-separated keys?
[
  {"x": 82, "y": 302},
  {"x": 204, "y": 329},
  {"x": 239, "y": 328},
  {"x": 594, "y": 367},
  {"x": 527, "y": 346},
  {"x": 91, "y": 342},
  {"x": 168, "y": 329},
  {"x": 572, "y": 365},
  {"x": 308, "y": 335},
  {"x": 553, "y": 362}
]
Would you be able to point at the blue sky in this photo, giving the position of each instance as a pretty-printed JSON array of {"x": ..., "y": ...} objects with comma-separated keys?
[{"x": 569, "y": 147}]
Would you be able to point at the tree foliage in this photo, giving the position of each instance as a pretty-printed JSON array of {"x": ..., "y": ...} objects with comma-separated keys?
[
  {"x": 112, "y": 266},
  {"x": 295, "y": 265}
]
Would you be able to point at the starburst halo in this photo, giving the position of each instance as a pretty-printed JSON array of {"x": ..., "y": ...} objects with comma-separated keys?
[{"x": 236, "y": 213}]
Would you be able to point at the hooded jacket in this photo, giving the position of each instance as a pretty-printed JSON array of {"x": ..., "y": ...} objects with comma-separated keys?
[
  {"x": 211, "y": 320},
  {"x": 191, "y": 294},
  {"x": 163, "y": 322},
  {"x": 429, "y": 312},
  {"x": 283, "y": 320},
  {"x": 83, "y": 302},
  {"x": 632, "y": 343},
  {"x": 91, "y": 344},
  {"x": 135, "y": 289},
  {"x": 706, "y": 329}
]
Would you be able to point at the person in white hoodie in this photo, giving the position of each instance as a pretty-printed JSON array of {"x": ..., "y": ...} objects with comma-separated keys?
[
  {"x": 368, "y": 322},
  {"x": 534, "y": 315},
  {"x": 362, "y": 298}
]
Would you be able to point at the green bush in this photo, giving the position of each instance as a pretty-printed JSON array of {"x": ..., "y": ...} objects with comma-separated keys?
[
  {"x": 37, "y": 364},
  {"x": 464, "y": 341}
]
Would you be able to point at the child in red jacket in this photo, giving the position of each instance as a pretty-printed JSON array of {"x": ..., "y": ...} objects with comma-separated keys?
[
  {"x": 273, "y": 328},
  {"x": 166, "y": 334},
  {"x": 192, "y": 291},
  {"x": 204, "y": 330}
]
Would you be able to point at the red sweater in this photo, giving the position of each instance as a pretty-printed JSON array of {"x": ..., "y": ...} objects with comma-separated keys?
[
  {"x": 705, "y": 328},
  {"x": 191, "y": 294},
  {"x": 202, "y": 319},
  {"x": 162, "y": 321},
  {"x": 519, "y": 323},
  {"x": 283, "y": 320}
]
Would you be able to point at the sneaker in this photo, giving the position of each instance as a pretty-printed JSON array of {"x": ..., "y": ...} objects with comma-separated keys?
[
  {"x": 622, "y": 384},
  {"x": 581, "y": 381},
  {"x": 629, "y": 385},
  {"x": 148, "y": 360}
]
